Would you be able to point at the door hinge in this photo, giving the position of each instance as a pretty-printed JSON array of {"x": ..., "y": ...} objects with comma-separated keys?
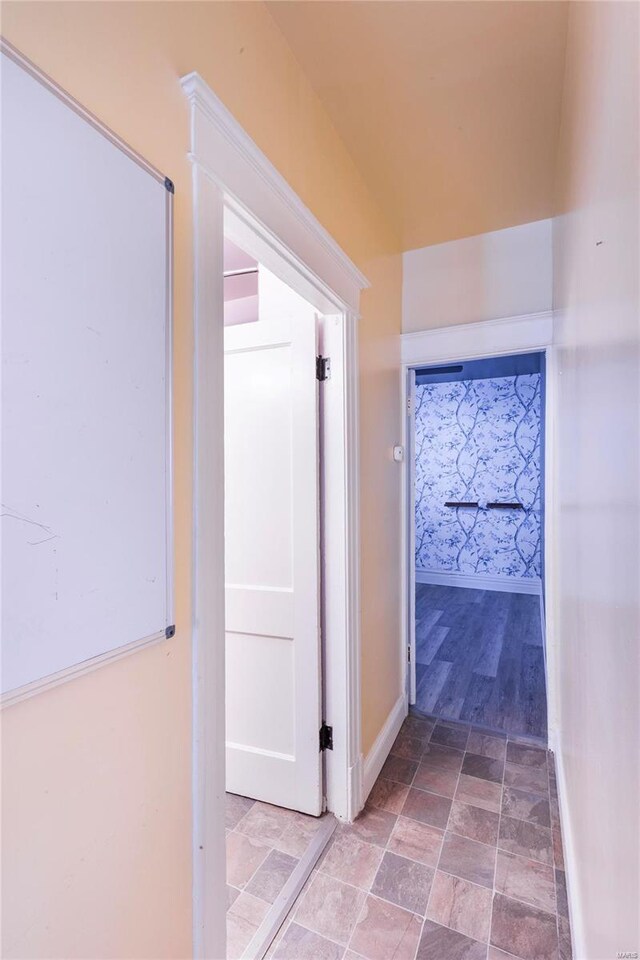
[
  {"x": 408, "y": 406},
  {"x": 409, "y": 654},
  {"x": 323, "y": 368},
  {"x": 326, "y": 737}
]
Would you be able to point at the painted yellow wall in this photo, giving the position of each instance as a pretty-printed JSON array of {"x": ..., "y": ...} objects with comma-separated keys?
[
  {"x": 450, "y": 109},
  {"x": 96, "y": 773},
  {"x": 596, "y": 267}
]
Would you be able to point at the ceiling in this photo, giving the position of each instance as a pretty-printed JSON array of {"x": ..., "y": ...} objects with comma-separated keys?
[{"x": 450, "y": 110}]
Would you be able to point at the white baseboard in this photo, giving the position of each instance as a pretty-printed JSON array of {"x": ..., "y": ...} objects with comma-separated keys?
[
  {"x": 355, "y": 801},
  {"x": 481, "y": 581},
  {"x": 379, "y": 752},
  {"x": 576, "y": 913}
]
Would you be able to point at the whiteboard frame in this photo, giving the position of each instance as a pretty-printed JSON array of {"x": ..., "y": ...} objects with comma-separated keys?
[{"x": 86, "y": 666}]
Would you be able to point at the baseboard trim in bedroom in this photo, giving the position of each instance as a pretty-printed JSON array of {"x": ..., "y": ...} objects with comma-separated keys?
[{"x": 481, "y": 581}]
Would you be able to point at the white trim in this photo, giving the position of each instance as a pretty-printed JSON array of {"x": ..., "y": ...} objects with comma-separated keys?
[
  {"x": 264, "y": 935},
  {"x": 208, "y": 649},
  {"x": 357, "y": 799},
  {"x": 341, "y": 567},
  {"x": 170, "y": 535},
  {"x": 250, "y": 182},
  {"x": 481, "y": 581},
  {"x": 410, "y": 655},
  {"x": 543, "y": 630},
  {"x": 341, "y": 564},
  {"x": 78, "y": 669},
  {"x": 552, "y": 666},
  {"x": 474, "y": 341},
  {"x": 576, "y": 913},
  {"x": 407, "y": 536},
  {"x": 233, "y": 181},
  {"x": 469, "y": 341},
  {"x": 381, "y": 748},
  {"x": 247, "y": 232}
]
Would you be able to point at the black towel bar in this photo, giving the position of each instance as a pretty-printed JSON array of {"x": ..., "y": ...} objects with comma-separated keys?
[{"x": 493, "y": 506}]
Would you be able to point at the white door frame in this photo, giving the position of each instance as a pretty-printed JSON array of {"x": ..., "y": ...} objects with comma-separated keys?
[
  {"x": 238, "y": 192},
  {"x": 477, "y": 341}
]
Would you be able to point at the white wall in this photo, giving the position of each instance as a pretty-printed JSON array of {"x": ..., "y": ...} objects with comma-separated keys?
[
  {"x": 500, "y": 274},
  {"x": 597, "y": 325}
]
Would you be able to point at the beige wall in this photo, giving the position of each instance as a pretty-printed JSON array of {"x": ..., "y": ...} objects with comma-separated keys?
[
  {"x": 596, "y": 263},
  {"x": 96, "y": 773},
  {"x": 505, "y": 273}
]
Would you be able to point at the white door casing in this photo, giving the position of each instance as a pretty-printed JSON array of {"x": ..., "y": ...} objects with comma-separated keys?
[
  {"x": 476, "y": 341},
  {"x": 231, "y": 174},
  {"x": 411, "y": 501},
  {"x": 273, "y": 685}
]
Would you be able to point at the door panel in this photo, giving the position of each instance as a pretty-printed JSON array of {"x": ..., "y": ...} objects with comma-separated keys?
[{"x": 273, "y": 697}]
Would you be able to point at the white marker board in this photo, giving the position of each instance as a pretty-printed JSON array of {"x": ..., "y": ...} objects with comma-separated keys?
[{"x": 86, "y": 358}]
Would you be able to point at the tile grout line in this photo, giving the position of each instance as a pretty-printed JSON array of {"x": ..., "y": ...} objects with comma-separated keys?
[
  {"x": 473, "y": 883},
  {"x": 270, "y": 849},
  {"x": 468, "y": 803},
  {"x": 368, "y": 893},
  {"x": 324, "y": 936},
  {"x": 497, "y": 847},
  {"x": 495, "y": 869},
  {"x": 437, "y": 868},
  {"x": 385, "y": 848},
  {"x": 516, "y": 899},
  {"x": 276, "y": 918},
  {"x": 270, "y": 846}
]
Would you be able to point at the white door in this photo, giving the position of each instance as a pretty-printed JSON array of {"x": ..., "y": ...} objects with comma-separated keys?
[{"x": 273, "y": 696}]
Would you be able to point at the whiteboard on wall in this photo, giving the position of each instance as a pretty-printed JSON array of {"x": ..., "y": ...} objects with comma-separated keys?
[{"x": 86, "y": 233}]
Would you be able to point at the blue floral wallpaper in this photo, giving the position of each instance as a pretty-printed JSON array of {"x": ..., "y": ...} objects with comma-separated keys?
[{"x": 478, "y": 440}]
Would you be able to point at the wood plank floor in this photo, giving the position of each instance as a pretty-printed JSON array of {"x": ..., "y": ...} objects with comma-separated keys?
[{"x": 479, "y": 658}]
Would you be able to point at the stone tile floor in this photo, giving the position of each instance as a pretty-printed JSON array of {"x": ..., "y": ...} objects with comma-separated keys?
[
  {"x": 457, "y": 856},
  {"x": 264, "y": 845}
]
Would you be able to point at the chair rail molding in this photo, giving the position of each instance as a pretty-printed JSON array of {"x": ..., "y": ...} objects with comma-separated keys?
[{"x": 250, "y": 181}]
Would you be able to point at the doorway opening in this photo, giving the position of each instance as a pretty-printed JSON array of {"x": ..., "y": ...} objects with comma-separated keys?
[
  {"x": 238, "y": 194},
  {"x": 476, "y": 513},
  {"x": 276, "y": 822}
]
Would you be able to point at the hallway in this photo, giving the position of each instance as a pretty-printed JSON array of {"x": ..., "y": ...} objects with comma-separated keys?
[
  {"x": 320, "y": 406},
  {"x": 480, "y": 658},
  {"x": 457, "y": 855}
]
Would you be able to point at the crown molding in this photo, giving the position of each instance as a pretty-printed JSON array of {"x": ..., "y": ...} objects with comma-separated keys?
[{"x": 231, "y": 158}]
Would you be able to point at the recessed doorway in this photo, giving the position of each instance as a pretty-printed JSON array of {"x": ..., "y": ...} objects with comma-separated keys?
[
  {"x": 275, "y": 819},
  {"x": 476, "y": 476}
]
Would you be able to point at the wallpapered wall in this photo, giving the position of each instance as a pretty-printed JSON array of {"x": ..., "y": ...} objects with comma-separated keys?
[{"x": 478, "y": 440}]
